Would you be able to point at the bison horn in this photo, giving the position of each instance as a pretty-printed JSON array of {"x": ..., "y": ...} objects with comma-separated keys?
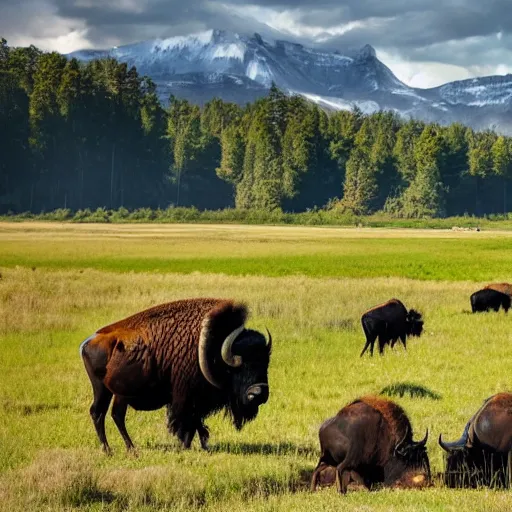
[
  {"x": 455, "y": 445},
  {"x": 227, "y": 355},
  {"x": 269, "y": 342},
  {"x": 423, "y": 442},
  {"x": 400, "y": 443},
  {"x": 203, "y": 354}
]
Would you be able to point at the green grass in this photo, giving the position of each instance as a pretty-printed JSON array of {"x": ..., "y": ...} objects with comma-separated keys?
[
  {"x": 336, "y": 253},
  {"x": 49, "y": 454}
]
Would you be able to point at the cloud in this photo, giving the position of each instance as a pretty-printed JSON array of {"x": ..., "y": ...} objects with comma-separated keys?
[{"x": 422, "y": 41}]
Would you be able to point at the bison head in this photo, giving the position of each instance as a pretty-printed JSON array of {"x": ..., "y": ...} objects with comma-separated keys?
[
  {"x": 413, "y": 468},
  {"x": 458, "y": 460},
  {"x": 249, "y": 378},
  {"x": 241, "y": 371},
  {"x": 472, "y": 465},
  {"x": 414, "y": 323}
]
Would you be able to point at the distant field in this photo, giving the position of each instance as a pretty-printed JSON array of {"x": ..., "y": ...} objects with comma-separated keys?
[
  {"x": 259, "y": 250},
  {"x": 59, "y": 283}
]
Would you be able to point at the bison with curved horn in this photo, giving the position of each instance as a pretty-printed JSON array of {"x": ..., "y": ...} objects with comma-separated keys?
[
  {"x": 482, "y": 456},
  {"x": 370, "y": 442},
  {"x": 389, "y": 322},
  {"x": 195, "y": 356}
]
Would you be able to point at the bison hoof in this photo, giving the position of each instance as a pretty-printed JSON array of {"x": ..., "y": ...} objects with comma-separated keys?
[{"x": 133, "y": 452}]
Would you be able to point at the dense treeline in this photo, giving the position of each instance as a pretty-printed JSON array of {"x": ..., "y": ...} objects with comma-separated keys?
[{"x": 92, "y": 135}]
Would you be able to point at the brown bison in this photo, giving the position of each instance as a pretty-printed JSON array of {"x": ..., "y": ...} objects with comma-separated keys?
[
  {"x": 500, "y": 287},
  {"x": 482, "y": 455},
  {"x": 487, "y": 299},
  {"x": 370, "y": 442},
  {"x": 389, "y": 322},
  {"x": 195, "y": 356}
]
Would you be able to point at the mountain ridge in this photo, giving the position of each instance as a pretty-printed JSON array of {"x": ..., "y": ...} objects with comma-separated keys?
[{"x": 241, "y": 68}]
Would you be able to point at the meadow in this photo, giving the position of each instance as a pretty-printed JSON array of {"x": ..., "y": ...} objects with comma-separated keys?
[{"x": 309, "y": 285}]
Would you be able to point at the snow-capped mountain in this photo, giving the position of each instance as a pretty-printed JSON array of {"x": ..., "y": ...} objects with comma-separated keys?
[{"x": 241, "y": 68}]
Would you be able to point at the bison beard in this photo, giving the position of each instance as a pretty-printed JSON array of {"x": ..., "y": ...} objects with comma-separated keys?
[{"x": 232, "y": 403}]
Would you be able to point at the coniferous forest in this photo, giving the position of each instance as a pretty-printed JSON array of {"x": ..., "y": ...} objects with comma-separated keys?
[{"x": 92, "y": 135}]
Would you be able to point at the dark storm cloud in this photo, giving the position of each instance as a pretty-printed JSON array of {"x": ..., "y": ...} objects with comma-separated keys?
[{"x": 460, "y": 32}]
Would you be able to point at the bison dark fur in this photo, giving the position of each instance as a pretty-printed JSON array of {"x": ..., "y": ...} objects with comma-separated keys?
[
  {"x": 389, "y": 322},
  {"x": 370, "y": 442},
  {"x": 482, "y": 455},
  {"x": 487, "y": 299},
  {"x": 193, "y": 356}
]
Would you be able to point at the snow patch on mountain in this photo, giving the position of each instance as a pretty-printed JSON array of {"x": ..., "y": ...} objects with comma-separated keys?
[
  {"x": 258, "y": 71},
  {"x": 193, "y": 41},
  {"x": 229, "y": 51},
  {"x": 367, "y": 107}
]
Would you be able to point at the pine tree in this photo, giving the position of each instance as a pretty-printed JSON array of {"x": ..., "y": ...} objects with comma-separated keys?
[
  {"x": 232, "y": 160},
  {"x": 502, "y": 164},
  {"x": 423, "y": 197},
  {"x": 480, "y": 162},
  {"x": 454, "y": 168},
  {"x": 360, "y": 187},
  {"x": 404, "y": 150}
]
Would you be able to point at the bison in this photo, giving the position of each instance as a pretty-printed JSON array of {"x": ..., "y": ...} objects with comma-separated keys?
[
  {"x": 194, "y": 356},
  {"x": 500, "y": 287},
  {"x": 482, "y": 455},
  {"x": 369, "y": 442},
  {"x": 487, "y": 298},
  {"x": 389, "y": 322}
]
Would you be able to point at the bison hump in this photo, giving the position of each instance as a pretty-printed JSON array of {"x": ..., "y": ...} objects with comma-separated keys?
[
  {"x": 220, "y": 321},
  {"x": 394, "y": 416}
]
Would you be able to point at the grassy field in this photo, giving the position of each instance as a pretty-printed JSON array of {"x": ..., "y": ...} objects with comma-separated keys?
[{"x": 61, "y": 282}]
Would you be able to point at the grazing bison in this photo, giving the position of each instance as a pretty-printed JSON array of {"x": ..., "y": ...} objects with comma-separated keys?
[
  {"x": 370, "y": 442},
  {"x": 486, "y": 299},
  {"x": 195, "y": 356},
  {"x": 500, "y": 287},
  {"x": 482, "y": 455},
  {"x": 388, "y": 322}
]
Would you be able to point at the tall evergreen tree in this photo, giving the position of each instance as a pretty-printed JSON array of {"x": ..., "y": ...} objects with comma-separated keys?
[
  {"x": 502, "y": 164},
  {"x": 360, "y": 188},
  {"x": 424, "y": 196}
]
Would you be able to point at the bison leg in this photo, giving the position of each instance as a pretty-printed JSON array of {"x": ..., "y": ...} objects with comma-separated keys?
[
  {"x": 204, "y": 435},
  {"x": 99, "y": 407},
  {"x": 383, "y": 340},
  {"x": 370, "y": 338},
  {"x": 119, "y": 408},
  {"x": 366, "y": 346},
  {"x": 186, "y": 435},
  {"x": 342, "y": 478},
  {"x": 98, "y": 411},
  {"x": 314, "y": 477}
]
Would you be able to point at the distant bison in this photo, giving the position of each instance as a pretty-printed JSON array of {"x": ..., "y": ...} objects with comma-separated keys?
[
  {"x": 370, "y": 442},
  {"x": 389, "y": 322},
  {"x": 487, "y": 299},
  {"x": 482, "y": 455},
  {"x": 500, "y": 287},
  {"x": 195, "y": 356}
]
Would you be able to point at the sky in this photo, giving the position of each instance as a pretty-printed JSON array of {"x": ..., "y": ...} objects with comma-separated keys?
[{"x": 424, "y": 42}]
